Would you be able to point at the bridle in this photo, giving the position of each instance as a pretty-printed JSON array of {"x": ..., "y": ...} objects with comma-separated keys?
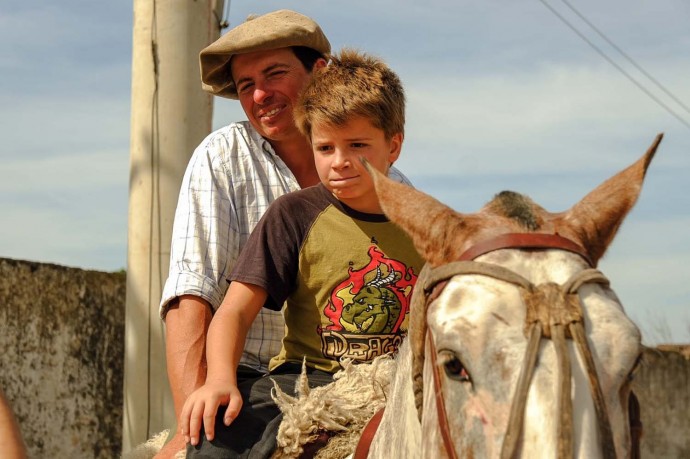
[{"x": 553, "y": 312}]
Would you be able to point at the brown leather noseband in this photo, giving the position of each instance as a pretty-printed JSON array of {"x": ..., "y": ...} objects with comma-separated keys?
[{"x": 553, "y": 312}]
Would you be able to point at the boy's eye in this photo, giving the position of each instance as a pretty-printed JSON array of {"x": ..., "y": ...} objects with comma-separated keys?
[
  {"x": 358, "y": 145},
  {"x": 322, "y": 148}
]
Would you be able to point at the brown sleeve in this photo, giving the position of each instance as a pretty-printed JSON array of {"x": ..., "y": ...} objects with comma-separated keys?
[{"x": 270, "y": 258}]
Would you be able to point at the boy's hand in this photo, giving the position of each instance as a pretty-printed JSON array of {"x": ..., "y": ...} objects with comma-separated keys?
[{"x": 203, "y": 404}]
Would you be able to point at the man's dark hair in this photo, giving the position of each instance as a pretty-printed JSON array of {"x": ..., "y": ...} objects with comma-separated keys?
[{"x": 307, "y": 56}]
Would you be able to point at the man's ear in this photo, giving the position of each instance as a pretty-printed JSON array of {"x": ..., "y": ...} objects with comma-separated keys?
[
  {"x": 319, "y": 64},
  {"x": 395, "y": 147}
]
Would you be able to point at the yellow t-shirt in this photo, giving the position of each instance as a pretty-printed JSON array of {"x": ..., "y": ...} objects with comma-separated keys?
[{"x": 345, "y": 277}]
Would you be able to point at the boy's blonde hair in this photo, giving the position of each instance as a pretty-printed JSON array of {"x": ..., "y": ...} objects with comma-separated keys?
[{"x": 353, "y": 84}]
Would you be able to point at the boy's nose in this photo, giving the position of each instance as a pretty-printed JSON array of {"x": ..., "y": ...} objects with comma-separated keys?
[{"x": 340, "y": 159}]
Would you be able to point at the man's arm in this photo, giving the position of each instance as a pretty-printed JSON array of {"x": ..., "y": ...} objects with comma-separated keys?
[
  {"x": 11, "y": 444},
  {"x": 186, "y": 324},
  {"x": 398, "y": 176},
  {"x": 196, "y": 277}
]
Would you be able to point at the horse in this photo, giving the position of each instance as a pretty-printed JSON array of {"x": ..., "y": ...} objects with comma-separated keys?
[{"x": 517, "y": 345}]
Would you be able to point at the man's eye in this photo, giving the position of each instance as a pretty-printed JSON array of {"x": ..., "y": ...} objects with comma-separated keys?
[
  {"x": 277, "y": 73},
  {"x": 245, "y": 87}
]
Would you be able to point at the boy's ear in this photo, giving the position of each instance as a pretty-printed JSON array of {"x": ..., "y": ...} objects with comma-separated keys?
[{"x": 396, "y": 146}]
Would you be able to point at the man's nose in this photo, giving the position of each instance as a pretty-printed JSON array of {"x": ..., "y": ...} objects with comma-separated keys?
[{"x": 261, "y": 94}]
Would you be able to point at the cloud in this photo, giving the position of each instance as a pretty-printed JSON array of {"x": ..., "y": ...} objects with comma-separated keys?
[
  {"x": 62, "y": 125},
  {"x": 66, "y": 172},
  {"x": 648, "y": 267},
  {"x": 519, "y": 122},
  {"x": 502, "y": 95},
  {"x": 70, "y": 209},
  {"x": 93, "y": 237}
]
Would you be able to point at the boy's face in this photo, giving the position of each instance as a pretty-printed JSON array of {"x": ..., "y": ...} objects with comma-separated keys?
[
  {"x": 336, "y": 153},
  {"x": 268, "y": 83}
]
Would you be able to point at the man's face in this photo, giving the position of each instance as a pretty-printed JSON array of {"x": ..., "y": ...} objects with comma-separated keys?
[
  {"x": 336, "y": 154},
  {"x": 268, "y": 83}
]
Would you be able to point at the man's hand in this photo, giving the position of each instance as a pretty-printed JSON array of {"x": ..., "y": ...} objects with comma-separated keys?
[{"x": 203, "y": 405}]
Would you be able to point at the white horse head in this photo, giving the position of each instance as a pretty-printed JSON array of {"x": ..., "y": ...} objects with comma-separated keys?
[{"x": 485, "y": 380}]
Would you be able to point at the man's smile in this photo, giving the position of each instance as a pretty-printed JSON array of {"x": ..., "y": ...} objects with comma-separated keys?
[{"x": 268, "y": 114}]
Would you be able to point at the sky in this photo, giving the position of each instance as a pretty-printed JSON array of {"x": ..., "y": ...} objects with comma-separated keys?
[{"x": 502, "y": 95}]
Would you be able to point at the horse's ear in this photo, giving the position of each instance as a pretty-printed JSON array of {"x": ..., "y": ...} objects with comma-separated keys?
[
  {"x": 597, "y": 217},
  {"x": 432, "y": 226}
]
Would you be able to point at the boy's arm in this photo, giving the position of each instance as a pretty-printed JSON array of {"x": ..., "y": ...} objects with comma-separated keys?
[{"x": 225, "y": 342}]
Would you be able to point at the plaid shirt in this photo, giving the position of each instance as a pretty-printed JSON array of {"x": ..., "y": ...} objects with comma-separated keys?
[{"x": 232, "y": 178}]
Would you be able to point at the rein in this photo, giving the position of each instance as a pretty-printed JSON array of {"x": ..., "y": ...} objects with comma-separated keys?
[{"x": 553, "y": 312}]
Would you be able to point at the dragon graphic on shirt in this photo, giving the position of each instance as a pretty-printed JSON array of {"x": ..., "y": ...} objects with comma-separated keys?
[
  {"x": 375, "y": 308},
  {"x": 368, "y": 309}
]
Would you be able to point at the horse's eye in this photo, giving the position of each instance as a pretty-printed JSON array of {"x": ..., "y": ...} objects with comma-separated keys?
[
  {"x": 454, "y": 368},
  {"x": 635, "y": 368}
]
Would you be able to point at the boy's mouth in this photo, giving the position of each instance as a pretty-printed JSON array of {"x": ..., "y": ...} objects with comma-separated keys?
[{"x": 343, "y": 180}]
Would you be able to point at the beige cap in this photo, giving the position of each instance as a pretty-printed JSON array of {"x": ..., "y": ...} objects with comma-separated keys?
[{"x": 279, "y": 29}]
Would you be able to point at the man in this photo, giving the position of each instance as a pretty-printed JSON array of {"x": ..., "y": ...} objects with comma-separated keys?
[
  {"x": 11, "y": 443},
  {"x": 352, "y": 109},
  {"x": 233, "y": 176}
]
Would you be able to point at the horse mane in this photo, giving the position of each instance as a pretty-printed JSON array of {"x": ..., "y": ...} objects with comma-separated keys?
[
  {"x": 341, "y": 408},
  {"x": 416, "y": 334}
]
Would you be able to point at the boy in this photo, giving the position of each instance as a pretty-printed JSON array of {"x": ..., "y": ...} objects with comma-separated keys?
[{"x": 345, "y": 272}]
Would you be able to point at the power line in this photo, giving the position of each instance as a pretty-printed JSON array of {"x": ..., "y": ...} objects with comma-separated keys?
[
  {"x": 618, "y": 67},
  {"x": 627, "y": 57}
]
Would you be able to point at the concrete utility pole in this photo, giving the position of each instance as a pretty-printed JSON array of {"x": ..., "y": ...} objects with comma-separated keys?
[{"x": 170, "y": 116}]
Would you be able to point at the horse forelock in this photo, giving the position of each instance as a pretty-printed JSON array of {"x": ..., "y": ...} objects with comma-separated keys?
[{"x": 517, "y": 207}]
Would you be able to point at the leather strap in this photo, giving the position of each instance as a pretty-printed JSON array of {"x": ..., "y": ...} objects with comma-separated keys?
[
  {"x": 635, "y": 426},
  {"x": 525, "y": 241},
  {"x": 362, "y": 450},
  {"x": 442, "y": 415}
]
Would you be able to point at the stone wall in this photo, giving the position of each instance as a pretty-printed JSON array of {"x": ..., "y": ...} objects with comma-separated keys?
[
  {"x": 61, "y": 365},
  {"x": 662, "y": 385}
]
